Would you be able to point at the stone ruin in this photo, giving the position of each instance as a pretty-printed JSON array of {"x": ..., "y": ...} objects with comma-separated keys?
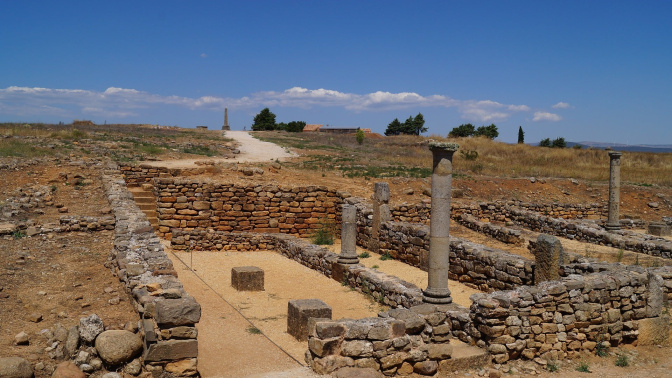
[{"x": 555, "y": 307}]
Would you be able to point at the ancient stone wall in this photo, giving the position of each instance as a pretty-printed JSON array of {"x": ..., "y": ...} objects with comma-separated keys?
[
  {"x": 134, "y": 175},
  {"x": 194, "y": 205},
  {"x": 476, "y": 265},
  {"x": 498, "y": 210},
  {"x": 592, "y": 233},
  {"x": 169, "y": 314},
  {"x": 558, "y": 319},
  {"x": 399, "y": 341}
]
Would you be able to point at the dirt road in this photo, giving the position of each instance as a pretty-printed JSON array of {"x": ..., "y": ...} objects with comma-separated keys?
[{"x": 252, "y": 150}]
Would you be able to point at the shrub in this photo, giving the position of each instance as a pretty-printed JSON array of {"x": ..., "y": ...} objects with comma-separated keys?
[
  {"x": 552, "y": 366},
  {"x": 324, "y": 235},
  {"x": 359, "y": 136},
  {"x": 622, "y": 360},
  {"x": 583, "y": 367},
  {"x": 386, "y": 256},
  {"x": 364, "y": 255}
]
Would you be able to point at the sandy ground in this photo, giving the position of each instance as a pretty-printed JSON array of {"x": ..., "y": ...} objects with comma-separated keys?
[{"x": 252, "y": 150}]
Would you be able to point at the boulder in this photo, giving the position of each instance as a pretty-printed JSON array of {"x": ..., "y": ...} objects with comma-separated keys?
[
  {"x": 116, "y": 347},
  {"x": 15, "y": 367}
]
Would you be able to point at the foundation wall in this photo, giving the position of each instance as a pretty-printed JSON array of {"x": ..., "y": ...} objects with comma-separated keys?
[
  {"x": 169, "y": 314},
  {"x": 193, "y": 205}
]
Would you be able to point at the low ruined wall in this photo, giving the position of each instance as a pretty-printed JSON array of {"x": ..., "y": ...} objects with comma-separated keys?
[
  {"x": 592, "y": 233},
  {"x": 400, "y": 341},
  {"x": 134, "y": 175},
  {"x": 559, "y": 319},
  {"x": 169, "y": 314},
  {"x": 194, "y": 205},
  {"x": 498, "y": 211},
  {"x": 473, "y": 264}
]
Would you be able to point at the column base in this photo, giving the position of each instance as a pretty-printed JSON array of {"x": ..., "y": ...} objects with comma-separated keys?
[
  {"x": 612, "y": 226},
  {"x": 437, "y": 296},
  {"x": 348, "y": 260}
]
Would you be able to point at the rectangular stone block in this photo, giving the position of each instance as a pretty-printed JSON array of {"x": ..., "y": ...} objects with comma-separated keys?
[
  {"x": 247, "y": 278},
  {"x": 177, "y": 312},
  {"x": 171, "y": 350},
  {"x": 299, "y": 311},
  {"x": 659, "y": 229}
]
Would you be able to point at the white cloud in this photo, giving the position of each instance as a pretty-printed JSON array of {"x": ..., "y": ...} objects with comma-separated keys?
[
  {"x": 123, "y": 102},
  {"x": 545, "y": 116},
  {"x": 561, "y": 105}
]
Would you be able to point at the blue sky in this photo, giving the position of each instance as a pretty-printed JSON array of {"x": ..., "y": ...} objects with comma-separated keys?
[{"x": 582, "y": 70}]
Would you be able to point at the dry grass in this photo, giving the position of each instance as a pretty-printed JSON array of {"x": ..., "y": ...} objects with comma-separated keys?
[{"x": 494, "y": 158}]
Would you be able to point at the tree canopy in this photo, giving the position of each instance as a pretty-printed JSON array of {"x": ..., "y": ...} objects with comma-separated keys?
[
  {"x": 467, "y": 130},
  {"x": 412, "y": 126},
  {"x": 462, "y": 131},
  {"x": 487, "y": 131},
  {"x": 521, "y": 135},
  {"x": 265, "y": 120}
]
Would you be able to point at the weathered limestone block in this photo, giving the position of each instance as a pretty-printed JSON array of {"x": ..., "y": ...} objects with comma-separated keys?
[
  {"x": 299, "y": 311},
  {"x": 171, "y": 350},
  {"x": 247, "y": 278},
  {"x": 547, "y": 258},
  {"x": 177, "y": 312},
  {"x": 659, "y": 229}
]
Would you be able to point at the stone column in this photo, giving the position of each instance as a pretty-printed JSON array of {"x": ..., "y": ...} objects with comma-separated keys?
[
  {"x": 348, "y": 235},
  {"x": 547, "y": 258},
  {"x": 614, "y": 190},
  {"x": 381, "y": 213},
  {"x": 439, "y": 226}
]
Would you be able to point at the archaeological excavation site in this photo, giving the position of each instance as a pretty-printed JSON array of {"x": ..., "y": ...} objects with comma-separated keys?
[{"x": 242, "y": 265}]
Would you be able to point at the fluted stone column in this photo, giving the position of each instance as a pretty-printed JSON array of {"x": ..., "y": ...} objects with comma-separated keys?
[
  {"x": 614, "y": 190},
  {"x": 381, "y": 213},
  {"x": 348, "y": 235},
  {"x": 439, "y": 226}
]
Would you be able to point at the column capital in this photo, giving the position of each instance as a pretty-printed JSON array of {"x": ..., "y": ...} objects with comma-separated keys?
[
  {"x": 615, "y": 154},
  {"x": 444, "y": 146}
]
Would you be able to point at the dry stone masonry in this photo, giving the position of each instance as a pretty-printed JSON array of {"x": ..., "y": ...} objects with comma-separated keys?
[
  {"x": 190, "y": 205},
  {"x": 169, "y": 314}
]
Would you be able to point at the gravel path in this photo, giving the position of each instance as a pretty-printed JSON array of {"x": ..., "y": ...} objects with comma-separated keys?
[{"x": 252, "y": 150}]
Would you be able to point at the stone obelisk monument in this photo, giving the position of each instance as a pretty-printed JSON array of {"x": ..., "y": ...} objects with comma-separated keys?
[
  {"x": 226, "y": 120},
  {"x": 439, "y": 223}
]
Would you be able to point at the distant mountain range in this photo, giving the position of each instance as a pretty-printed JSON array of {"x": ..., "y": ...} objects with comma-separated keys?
[{"x": 625, "y": 147}]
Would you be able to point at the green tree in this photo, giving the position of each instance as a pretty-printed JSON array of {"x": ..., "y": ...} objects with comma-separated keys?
[
  {"x": 462, "y": 131},
  {"x": 415, "y": 126},
  {"x": 559, "y": 143},
  {"x": 294, "y": 126},
  {"x": 487, "y": 131},
  {"x": 545, "y": 142},
  {"x": 394, "y": 128},
  {"x": 359, "y": 136},
  {"x": 521, "y": 135},
  {"x": 265, "y": 120}
]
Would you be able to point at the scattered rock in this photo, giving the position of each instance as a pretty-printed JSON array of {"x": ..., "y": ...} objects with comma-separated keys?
[
  {"x": 117, "y": 347},
  {"x": 409, "y": 191},
  {"x": 15, "y": 367},
  {"x": 182, "y": 367},
  {"x": 653, "y": 205},
  {"x": 90, "y": 327},
  {"x": 134, "y": 367},
  {"x": 21, "y": 338},
  {"x": 35, "y": 317},
  {"x": 67, "y": 369}
]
